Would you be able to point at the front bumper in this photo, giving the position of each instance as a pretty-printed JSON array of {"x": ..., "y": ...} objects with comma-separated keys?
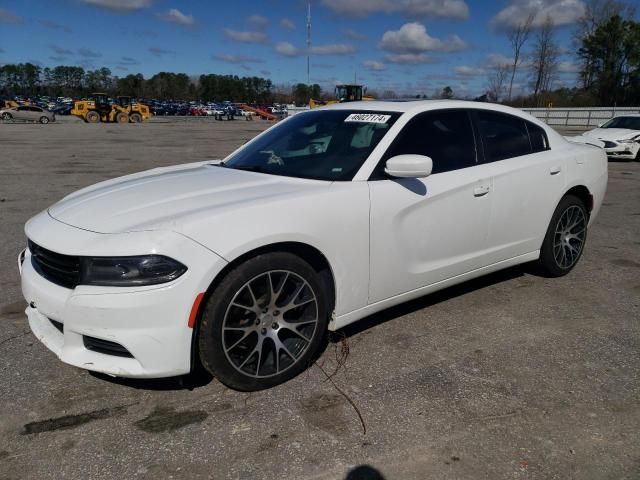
[
  {"x": 626, "y": 151},
  {"x": 151, "y": 323}
]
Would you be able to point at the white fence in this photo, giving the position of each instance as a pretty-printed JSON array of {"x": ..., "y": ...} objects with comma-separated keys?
[{"x": 578, "y": 117}]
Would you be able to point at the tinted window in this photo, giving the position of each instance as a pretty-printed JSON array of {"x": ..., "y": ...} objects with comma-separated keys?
[
  {"x": 538, "y": 137},
  {"x": 445, "y": 136},
  {"x": 320, "y": 144},
  {"x": 36, "y": 109},
  {"x": 23, "y": 109},
  {"x": 503, "y": 136}
]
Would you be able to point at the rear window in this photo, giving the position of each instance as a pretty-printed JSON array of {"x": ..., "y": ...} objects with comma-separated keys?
[{"x": 503, "y": 136}]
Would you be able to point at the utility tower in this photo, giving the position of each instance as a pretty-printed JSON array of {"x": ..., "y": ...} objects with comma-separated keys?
[{"x": 308, "y": 43}]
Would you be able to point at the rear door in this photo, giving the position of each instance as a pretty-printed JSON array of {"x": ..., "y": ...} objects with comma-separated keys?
[
  {"x": 426, "y": 230},
  {"x": 527, "y": 180},
  {"x": 22, "y": 113}
]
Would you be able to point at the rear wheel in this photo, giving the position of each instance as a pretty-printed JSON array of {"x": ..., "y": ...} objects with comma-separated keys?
[
  {"x": 93, "y": 117},
  {"x": 264, "y": 323},
  {"x": 565, "y": 238},
  {"x": 44, "y": 120},
  {"x": 6, "y": 116},
  {"x": 122, "y": 117},
  {"x": 136, "y": 117}
]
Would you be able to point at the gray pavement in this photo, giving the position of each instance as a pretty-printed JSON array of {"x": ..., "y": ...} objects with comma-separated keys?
[{"x": 509, "y": 376}]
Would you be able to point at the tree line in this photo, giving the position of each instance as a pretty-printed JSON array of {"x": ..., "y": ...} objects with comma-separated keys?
[
  {"x": 27, "y": 79},
  {"x": 607, "y": 54}
]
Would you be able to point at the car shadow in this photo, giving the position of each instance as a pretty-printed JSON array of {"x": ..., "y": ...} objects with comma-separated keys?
[
  {"x": 430, "y": 300},
  {"x": 196, "y": 379},
  {"x": 201, "y": 378}
]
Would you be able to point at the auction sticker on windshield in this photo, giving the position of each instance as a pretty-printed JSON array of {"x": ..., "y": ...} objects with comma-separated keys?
[{"x": 368, "y": 118}]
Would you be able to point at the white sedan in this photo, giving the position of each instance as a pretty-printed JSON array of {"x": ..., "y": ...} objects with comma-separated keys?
[
  {"x": 621, "y": 137},
  {"x": 323, "y": 219}
]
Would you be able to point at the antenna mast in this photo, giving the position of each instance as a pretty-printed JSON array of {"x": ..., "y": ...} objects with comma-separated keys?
[{"x": 308, "y": 42}]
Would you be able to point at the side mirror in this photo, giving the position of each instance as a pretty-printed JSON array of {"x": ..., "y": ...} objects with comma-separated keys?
[{"x": 409, "y": 166}]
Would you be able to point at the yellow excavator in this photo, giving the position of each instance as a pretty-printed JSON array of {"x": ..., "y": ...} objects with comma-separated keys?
[
  {"x": 344, "y": 93},
  {"x": 97, "y": 108}
]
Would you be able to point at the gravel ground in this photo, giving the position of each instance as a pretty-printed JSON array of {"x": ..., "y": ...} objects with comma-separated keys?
[{"x": 509, "y": 376}]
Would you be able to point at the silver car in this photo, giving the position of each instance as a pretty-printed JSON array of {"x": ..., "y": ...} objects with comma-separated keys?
[{"x": 28, "y": 113}]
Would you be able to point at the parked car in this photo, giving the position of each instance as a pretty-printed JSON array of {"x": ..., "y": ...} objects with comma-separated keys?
[
  {"x": 621, "y": 137},
  {"x": 28, "y": 113},
  {"x": 327, "y": 217}
]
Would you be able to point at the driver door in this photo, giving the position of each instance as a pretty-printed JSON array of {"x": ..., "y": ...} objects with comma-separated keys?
[{"x": 426, "y": 230}]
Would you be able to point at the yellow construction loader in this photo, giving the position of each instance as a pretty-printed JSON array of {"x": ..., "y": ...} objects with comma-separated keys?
[
  {"x": 138, "y": 112},
  {"x": 97, "y": 108}
]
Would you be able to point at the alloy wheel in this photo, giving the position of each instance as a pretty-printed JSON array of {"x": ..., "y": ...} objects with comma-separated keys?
[
  {"x": 270, "y": 323},
  {"x": 569, "y": 237}
]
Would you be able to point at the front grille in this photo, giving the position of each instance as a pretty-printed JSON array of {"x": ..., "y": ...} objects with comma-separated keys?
[
  {"x": 105, "y": 346},
  {"x": 608, "y": 144},
  {"x": 63, "y": 270}
]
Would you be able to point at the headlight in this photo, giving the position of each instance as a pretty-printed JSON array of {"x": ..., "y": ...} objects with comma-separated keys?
[
  {"x": 130, "y": 271},
  {"x": 630, "y": 140}
]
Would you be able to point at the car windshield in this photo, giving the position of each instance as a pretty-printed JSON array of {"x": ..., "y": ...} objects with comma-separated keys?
[
  {"x": 630, "y": 123},
  {"x": 323, "y": 145}
]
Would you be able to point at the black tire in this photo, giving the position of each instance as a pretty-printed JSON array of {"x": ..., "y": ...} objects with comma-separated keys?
[
  {"x": 563, "y": 246},
  {"x": 136, "y": 118},
  {"x": 93, "y": 117},
  {"x": 44, "y": 120},
  {"x": 258, "y": 329},
  {"x": 122, "y": 117},
  {"x": 6, "y": 116}
]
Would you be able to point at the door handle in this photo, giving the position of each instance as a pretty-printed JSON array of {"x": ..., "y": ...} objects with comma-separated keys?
[
  {"x": 481, "y": 191},
  {"x": 555, "y": 170}
]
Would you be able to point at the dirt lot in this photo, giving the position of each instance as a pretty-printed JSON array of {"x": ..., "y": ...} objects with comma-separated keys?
[{"x": 511, "y": 376}]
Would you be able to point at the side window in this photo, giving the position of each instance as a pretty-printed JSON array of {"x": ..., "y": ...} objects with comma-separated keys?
[
  {"x": 36, "y": 109},
  {"x": 503, "y": 136},
  {"x": 538, "y": 137},
  {"x": 23, "y": 109},
  {"x": 446, "y": 136}
]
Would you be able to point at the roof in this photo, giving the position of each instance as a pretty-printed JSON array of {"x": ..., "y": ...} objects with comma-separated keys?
[{"x": 410, "y": 106}]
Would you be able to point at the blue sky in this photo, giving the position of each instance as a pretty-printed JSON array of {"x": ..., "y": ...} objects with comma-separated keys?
[{"x": 409, "y": 46}]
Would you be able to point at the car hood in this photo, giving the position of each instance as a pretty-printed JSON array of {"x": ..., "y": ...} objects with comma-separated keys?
[
  {"x": 163, "y": 198},
  {"x": 612, "y": 133}
]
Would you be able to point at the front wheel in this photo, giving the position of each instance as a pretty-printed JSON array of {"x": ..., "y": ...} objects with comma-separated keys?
[
  {"x": 264, "y": 323},
  {"x": 136, "y": 118},
  {"x": 93, "y": 117},
  {"x": 44, "y": 120},
  {"x": 565, "y": 238}
]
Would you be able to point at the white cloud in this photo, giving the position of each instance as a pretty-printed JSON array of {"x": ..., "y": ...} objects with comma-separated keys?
[
  {"x": 87, "y": 53},
  {"x": 498, "y": 60},
  {"x": 333, "y": 49},
  {"x": 286, "y": 49},
  {"x": 159, "y": 51},
  {"x": 568, "y": 67},
  {"x": 287, "y": 24},
  {"x": 374, "y": 65},
  {"x": 258, "y": 21},
  {"x": 246, "y": 37},
  {"x": 236, "y": 59},
  {"x": 119, "y": 5},
  {"x": 413, "y": 38},
  {"x": 468, "y": 71},
  {"x": 9, "y": 17},
  {"x": 353, "y": 35},
  {"x": 456, "y": 9},
  {"x": 561, "y": 12},
  {"x": 408, "y": 58},
  {"x": 176, "y": 16}
]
